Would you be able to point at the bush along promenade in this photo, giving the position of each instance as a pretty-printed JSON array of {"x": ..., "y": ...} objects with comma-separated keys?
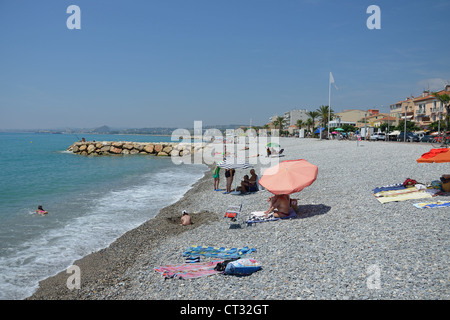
[{"x": 97, "y": 148}]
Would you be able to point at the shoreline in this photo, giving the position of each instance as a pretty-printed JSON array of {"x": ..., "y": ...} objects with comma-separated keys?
[
  {"x": 326, "y": 252},
  {"x": 106, "y": 267}
]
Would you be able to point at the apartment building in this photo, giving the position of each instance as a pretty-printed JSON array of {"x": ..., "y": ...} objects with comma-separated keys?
[
  {"x": 423, "y": 110},
  {"x": 293, "y": 116}
]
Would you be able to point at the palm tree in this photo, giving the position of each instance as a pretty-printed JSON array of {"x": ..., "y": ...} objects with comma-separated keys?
[
  {"x": 279, "y": 122},
  {"x": 313, "y": 115},
  {"x": 445, "y": 100},
  {"x": 299, "y": 123},
  {"x": 324, "y": 111},
  {"x": 309, "y": 123}
]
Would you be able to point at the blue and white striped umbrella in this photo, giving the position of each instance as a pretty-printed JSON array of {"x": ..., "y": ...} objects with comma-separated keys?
[{"x": 234, "y": 164}]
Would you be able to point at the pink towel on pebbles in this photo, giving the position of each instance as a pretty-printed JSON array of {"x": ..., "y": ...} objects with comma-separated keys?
[{"x": 189, "y": 270}]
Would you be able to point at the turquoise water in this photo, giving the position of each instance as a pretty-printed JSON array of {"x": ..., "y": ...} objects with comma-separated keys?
[{"x": 91, "y": 202}]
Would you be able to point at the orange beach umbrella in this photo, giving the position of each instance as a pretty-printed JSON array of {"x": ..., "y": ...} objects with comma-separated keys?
[
  {"x": 289, "y": 176},
  {"x": 435, "y": 155}
]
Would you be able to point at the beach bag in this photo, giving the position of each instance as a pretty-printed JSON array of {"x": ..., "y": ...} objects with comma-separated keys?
[
  {"x": 242, "y": 267},
  {"x": 222, "y": 265},
  {"x": 445, "y": 183},
  {"x": 436, "y": 184}
]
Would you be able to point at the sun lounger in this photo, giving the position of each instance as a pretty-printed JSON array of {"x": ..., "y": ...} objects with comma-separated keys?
[{"x": 233, "y": 212}]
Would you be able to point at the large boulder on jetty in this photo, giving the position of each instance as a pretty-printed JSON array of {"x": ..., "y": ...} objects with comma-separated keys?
[
  {"x": 161, "y": 153},
  {"x": 115, "y": 150},
  {"x": 149, "y": 148},
  {"x": 167, "y": 149},
  {"x": 105, "y": 149},
  {"x": 128, "y": 146},
  {"x": 75, "y": 149},
  {"x": 90, "y": 148},
  {"x": 117, "y": 144},
  {"x": 174, "y": 153},
  {"x": 83, "y": 148},
  {"x": 158, "y": 148},
  {"x": 134, "y": 151}
]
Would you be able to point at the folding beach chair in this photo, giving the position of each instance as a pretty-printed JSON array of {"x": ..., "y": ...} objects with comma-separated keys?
[{"x": 233, "y": 213}]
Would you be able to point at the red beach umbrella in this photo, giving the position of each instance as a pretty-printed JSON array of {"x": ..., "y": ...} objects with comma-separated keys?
[
  {"x": 438, "y": 155},
  {"x": 289, "y": 176}
]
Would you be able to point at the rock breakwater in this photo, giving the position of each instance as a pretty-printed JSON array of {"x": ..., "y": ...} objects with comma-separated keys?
[{"x": 97, "y": 148}]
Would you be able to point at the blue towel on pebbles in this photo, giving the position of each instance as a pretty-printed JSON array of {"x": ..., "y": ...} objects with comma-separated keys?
[
  {"x": 216, "y": 252},
  {"x": 397, "y": 186}
]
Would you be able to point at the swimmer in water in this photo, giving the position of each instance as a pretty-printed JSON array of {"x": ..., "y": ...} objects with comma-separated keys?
[{"x": 41, "y": 211}]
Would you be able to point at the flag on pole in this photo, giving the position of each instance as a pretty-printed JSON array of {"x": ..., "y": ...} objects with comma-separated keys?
[{"x": 332, "y": 80}]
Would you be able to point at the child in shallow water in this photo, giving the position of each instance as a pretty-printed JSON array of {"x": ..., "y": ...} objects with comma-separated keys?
[{"x": 41, "y": 211}]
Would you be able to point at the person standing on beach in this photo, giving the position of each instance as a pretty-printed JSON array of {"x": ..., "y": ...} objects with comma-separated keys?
[
  {"x": 229, "y": 175},
  {"x": 216, "y": 177}
]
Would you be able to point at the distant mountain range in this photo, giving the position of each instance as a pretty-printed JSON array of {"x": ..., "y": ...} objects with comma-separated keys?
[{"x": 108, "y": 130}]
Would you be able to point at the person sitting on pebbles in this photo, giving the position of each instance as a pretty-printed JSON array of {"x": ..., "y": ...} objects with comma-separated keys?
[
  {"x": 186, "y": 219},
  {"x": 279, "y": 205}
]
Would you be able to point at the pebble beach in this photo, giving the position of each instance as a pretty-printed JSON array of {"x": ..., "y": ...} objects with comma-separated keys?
[{"x": 341, "y": 239}]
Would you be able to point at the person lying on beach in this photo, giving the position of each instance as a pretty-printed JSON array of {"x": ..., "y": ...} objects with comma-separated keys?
[
  {"x": 41, "y": 211},
  {"x": 186, "y": 219},
  {"x": 279, "y": 205}
]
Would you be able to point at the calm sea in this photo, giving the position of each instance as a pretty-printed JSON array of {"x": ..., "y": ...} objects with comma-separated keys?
[{"x": 91, "y": 202}]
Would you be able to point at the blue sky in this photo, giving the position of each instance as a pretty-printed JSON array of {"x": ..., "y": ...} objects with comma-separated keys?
[{"x": 170, "y": 62}]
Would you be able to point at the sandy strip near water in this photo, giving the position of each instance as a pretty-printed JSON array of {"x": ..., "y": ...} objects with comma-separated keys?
[{"x": 344, "y": 244}]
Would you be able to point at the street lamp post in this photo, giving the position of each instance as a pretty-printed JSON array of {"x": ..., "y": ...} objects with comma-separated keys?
[
  {"x": 404, "y": 136},
  {"x": 365, "y": 125},
  {"x": 389, "y": 119}
]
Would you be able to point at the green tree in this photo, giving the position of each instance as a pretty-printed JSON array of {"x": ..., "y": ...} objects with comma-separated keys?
[
  {"x": 313, "y": 115},
  {"x": 384, "y": 126},
  {"x": 348, "y": 127},
  {"x": 279, "y": 122},
  {"x": 299, "y": 124},
  {"x": 324, "y": 111},
  {"x": 309, "y": 123},
  {"x": 445, "y": 100},
  {"x": 410, "y": 126}
]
